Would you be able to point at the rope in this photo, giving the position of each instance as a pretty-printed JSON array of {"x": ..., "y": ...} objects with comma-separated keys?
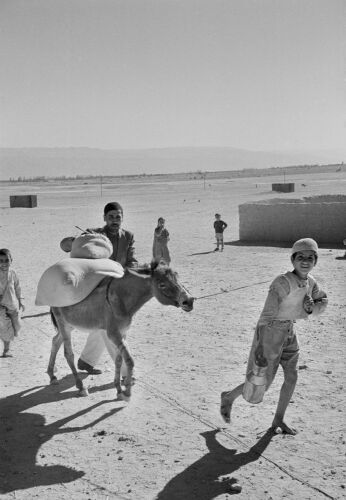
[
  {"x": 231, "y": 290},
  {"x": 196, "y": 298},
  {"x": 35, "y": 315}
]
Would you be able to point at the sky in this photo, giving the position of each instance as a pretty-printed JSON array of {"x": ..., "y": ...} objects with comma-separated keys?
[{"x": 252, "y": 74}]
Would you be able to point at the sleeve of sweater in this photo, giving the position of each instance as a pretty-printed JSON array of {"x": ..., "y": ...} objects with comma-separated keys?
[
  {"x": 320, "y": 299},
  {"x": 17, "y": 287},
  {"x": 278, "y": 289}
]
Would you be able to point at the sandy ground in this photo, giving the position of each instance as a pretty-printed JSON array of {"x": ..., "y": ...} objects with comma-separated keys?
[{"x": 169, "y": 442}]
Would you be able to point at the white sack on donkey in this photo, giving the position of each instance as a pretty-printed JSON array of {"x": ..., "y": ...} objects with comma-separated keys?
[{"x": 71, "y": 280}]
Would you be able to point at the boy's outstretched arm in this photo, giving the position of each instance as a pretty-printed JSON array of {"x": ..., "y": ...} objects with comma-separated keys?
[{"x": 320, "y": 300}]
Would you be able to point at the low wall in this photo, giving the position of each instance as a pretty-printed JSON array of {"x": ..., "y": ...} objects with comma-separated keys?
[
  {"x": 283, "y": 188},
  {"x": 321, "y": 218},
  {"x": 23, "y": 200}
]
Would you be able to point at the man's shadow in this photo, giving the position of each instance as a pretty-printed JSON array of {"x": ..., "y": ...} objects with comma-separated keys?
[
  {"x": 201, "y": 480},
  {"x": 22, "y": 434}
]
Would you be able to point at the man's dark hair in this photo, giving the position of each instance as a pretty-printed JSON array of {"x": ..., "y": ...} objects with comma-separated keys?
[{"x": 112, "y": 205}]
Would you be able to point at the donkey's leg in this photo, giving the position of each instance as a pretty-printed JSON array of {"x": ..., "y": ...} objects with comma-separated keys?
[
  {"x": 68, "y": 352},
  {"x": 128, "y": 360},
  {"x": 117, "y": 376},
  {"x": 115, "y": 335},
  {"x": 113, "y": 352},
  {"x": 56, "y": 344},
  {"x": 65, "y": 330},
  {"x": 120, "y": 366}
]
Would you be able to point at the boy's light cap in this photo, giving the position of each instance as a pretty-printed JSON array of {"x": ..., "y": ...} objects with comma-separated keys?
[{"x": 304, "y": 244}]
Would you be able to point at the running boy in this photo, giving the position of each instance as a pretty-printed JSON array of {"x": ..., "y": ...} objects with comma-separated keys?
[
  {"x": 10, "y": 294},
  {"x": 219, "y": 226},
  {"x": 293, "y": 295}
]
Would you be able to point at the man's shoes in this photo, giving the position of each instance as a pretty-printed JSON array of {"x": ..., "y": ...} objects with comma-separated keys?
[
  {"x": 216, "y": 250},
  {"x": 85, "y": 367}
]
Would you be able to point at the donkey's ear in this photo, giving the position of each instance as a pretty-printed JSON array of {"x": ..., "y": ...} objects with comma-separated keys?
[
  {"x": 163, "y": 263},
  {"x": 154, "y": 263},
  {"x": 158, "y": 263}
]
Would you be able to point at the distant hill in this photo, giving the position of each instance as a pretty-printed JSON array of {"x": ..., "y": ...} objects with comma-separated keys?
[{"x": 52, "y": 162}]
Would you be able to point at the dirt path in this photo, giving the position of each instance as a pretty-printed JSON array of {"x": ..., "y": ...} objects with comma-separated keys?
[{"x": 169, "y": 442}]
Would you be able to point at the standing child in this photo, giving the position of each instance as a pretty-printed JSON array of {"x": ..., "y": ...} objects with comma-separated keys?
[
  {"x": 161, "y": 239},
  {"x": 219, "y": 226},
  {"x": 10, "y": 294},
  {"x": 293, "y": 295}
]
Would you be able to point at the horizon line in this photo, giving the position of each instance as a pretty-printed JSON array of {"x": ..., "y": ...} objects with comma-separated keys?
[{"x": 148, "y": 148}]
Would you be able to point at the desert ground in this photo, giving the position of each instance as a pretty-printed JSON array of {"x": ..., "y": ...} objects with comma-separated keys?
[{"x": 169, "y": 441}]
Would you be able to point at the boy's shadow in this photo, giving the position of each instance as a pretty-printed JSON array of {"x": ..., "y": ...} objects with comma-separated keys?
[
  {"x": 201, "y": 253},
  {"x": 241, "y": 243},
  {"x": 22, "y": 434},
  {"x": 201, "y": 480},
  {"x": 278, "y": 244}
]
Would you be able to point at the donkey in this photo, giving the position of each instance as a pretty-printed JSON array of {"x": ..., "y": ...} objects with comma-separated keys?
[{"x": 110, "y": 307}]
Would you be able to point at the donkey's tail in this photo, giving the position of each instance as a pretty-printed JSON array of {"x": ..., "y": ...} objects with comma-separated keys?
[{"x": 52, "y": 317}]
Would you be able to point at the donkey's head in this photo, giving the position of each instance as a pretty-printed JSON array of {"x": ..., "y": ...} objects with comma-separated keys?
[{"x": 167, "y": 288}]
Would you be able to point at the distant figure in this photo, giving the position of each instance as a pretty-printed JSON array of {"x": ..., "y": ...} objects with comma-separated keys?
[
  {"x": 11, "y": 301},
  {"x": 219, "y": 226},
  {"x": 293, "y": 295},
  {"x": 161, "y": 239}
]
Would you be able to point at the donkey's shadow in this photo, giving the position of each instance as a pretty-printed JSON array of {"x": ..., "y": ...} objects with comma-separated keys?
[
  {"x": 202, "y": 480},
  {"x": 22, "y": 434}
]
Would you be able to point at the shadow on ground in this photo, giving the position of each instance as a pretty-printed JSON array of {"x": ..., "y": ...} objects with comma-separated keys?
[
  {"x": 203, "y": 480},
  {"x": 274, "y": 244},
  {"x": 201, "y": 253},
  {"x": 23, "y": 433},
  {"x": 278, "y": 244}
]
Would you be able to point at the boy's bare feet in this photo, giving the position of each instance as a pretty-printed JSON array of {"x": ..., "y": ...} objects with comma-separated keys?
[
  {"x": 226, "y": 407},
  {"x": 282, "y": 428}
]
